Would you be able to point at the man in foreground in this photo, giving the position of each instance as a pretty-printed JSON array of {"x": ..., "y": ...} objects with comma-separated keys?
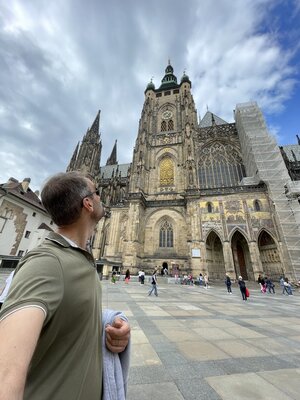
[{"x": 50, "y": 323}]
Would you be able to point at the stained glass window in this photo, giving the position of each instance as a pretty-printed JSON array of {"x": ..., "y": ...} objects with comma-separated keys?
[
  {"x": 166, "y": 172},
  {"x": 166, "y": 234},
  {"x": 220, "y": 165}
]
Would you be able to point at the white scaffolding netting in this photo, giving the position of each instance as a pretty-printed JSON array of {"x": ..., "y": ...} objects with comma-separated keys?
[{"x": 263, "y": 160}]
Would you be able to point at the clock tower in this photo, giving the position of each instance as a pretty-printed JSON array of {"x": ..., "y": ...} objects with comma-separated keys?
[{"x": 163, "y": 172}]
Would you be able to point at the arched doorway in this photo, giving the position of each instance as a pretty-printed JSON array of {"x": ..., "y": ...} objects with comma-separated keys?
[
  {"x": 214, "y": 257},
  {"x": 269, "y": 255},
  {"x": 241, "y": 256}
]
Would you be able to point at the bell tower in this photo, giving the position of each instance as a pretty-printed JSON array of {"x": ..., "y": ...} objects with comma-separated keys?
[
  {"x": 163, "y": 172},
  {"x": 163, "y": 160}
]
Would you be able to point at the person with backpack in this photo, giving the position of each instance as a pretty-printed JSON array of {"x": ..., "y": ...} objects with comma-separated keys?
[{"x": 154, "y": 284}]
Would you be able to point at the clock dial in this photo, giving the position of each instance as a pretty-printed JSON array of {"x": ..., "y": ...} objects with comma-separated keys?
[{"x": 167, "y": 114}]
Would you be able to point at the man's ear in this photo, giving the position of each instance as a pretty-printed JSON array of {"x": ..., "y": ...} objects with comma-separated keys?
[{"x": 87, "y": 204}]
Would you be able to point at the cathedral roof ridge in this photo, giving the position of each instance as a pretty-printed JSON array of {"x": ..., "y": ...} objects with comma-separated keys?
[{"x": 211, "y": 119}]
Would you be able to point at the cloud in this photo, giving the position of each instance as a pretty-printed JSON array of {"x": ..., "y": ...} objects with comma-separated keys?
[{"x": 62, "y": 61}]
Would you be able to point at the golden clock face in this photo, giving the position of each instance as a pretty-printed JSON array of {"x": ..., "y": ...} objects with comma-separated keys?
[{"x": 167, "y": 114}]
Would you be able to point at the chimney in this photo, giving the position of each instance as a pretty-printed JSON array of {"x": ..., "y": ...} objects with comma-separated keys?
[
  {"x": 25, "y": 184},
  {"x": 12, "y": 180}
]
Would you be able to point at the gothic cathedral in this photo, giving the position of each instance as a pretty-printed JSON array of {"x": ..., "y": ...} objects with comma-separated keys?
[{"x": 199, "y": 196}]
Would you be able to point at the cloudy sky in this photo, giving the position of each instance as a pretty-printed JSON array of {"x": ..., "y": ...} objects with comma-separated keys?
[{"x": 62, "y": 60}]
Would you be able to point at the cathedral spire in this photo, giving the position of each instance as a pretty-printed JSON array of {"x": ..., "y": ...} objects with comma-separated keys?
[
  {"x": 112, "y": 160},
  {"x": 95, "y": 127},
  {"x": 73, "y": 159}
]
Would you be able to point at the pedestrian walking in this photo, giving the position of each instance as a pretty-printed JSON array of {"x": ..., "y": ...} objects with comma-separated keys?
[
  {"x": 127, "y": 276},
  {"x": 287, "y": 287},
  {"x": 242, "y": 286},
  {"x": 228, "y": 284},
  {"x": 154, "y": 284},
  {"x": 270, "y": 285},
  {"x": 206, "y": 281},
  {"x": 200, "y": 279},
  {"x": 142, "y": 277}
]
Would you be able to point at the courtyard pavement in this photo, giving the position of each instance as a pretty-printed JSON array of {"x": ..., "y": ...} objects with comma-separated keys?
[{"x": 192, "y": 343}]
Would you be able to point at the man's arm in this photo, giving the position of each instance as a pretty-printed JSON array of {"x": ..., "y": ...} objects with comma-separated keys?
[
  {"x": 19, "y": 333},
  {"x": 117, "y": 336}
]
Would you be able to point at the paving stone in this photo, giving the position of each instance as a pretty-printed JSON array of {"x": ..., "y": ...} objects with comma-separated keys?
[
  {"x": 197, "y": 389},
  {"x": 150, "y": 374},
  {"x": 245, "y": 387},
  {"x": 159, "y": 391},
  {"x": 191, "y": 343}
]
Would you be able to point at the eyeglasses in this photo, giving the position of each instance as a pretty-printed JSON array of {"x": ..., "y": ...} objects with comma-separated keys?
[{"x": 97, "y": 192}]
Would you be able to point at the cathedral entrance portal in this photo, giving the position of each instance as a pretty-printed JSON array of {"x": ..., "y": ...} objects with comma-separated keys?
[
  {"x": 165, "y": 267},
  {"x": 241, "y": 256},
  {"x": 269, "y": 256},
  {"x": 214, "y": 257}
]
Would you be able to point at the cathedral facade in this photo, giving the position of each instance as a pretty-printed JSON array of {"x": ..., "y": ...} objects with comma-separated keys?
[{"x": 200, "y": 195}]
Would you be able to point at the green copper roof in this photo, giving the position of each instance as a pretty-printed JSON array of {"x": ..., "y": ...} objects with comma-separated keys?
[{"x": 169, "y": 80}]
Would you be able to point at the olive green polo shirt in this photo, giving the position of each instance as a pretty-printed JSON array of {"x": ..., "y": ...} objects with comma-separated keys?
[{"x": 63, "y": 281}]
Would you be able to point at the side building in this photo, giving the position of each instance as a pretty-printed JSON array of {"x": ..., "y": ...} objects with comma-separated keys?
[
  {"x": 24, "y": 222},
  {"x": 199, "y": 196}
]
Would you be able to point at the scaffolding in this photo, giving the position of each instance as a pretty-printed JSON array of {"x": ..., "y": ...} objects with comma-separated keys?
[{"x": 263, "y": 162}]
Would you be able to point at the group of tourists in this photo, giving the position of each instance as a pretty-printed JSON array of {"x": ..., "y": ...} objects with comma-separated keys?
[{"x": 266, "y": 284}]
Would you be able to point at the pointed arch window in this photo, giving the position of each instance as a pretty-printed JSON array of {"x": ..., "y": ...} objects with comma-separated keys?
[
  {"x": 220, "y": 165},
  {"x": 209, "y": 208},
  {"x": 166, "y": 234},
  {"x": 257, "y": 206},
  {"x": 170, "y": 125},
  {"x": 163, "y": 126},
  {"x": 166, "y": 172}
]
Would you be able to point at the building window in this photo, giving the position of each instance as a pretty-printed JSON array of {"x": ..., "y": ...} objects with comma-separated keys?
[
  {"x": 34, "y": 214},
  {"x": 166, "y": 172},
  {"x": 209, "y": 208},
  {"x": 158, "y": 94},
  {"x": 20, "y": 253},
  {"x": 166, "y": 235},
  {"x": 27, "y": 234},
  {"x": 167, "y": 93},
  {"x": 220, "y": 165},
  {"x": 256, "y": 205},
  {"x": 163, "y": 126},
  {"x": 2, "y": 223},
  {"x": 170, "y": 125},
  {"x": 175, "y": 91},
  {"x": 51, "y": 222}
]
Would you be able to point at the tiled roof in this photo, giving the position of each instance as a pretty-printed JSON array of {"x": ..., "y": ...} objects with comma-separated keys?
[
  {"x": 14, "y": 188},
  {"x": 207, "y": 120},
  {"x": 107, "y": 170},
  {"x": 45, "y": 226},
  {"x": 292, "y": 151}
]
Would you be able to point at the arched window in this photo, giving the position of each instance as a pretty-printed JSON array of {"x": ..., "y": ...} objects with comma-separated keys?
[
  {"x": 220, "y": 165},
  {"x": 163, "y": 126},
  {"x": 166, "y": 172},
  {"x": 256, "y": 205},
  {"x": 209, "y": 208},
  {"x": 166, "y": 234},
  {"x": 170, "y": 125}
]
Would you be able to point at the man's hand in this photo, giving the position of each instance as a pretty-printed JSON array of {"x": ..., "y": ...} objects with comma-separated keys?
[{"x": 117, "y": 335}]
